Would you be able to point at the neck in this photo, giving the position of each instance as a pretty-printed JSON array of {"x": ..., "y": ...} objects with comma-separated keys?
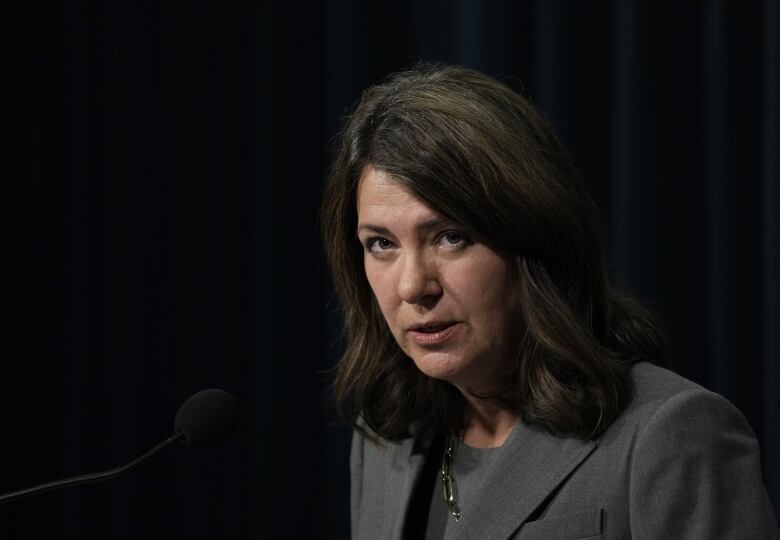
[{"x": 489, "y": 425}]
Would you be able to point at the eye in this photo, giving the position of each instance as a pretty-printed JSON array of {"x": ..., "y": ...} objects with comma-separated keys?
[
  {"x": 377, "y": 244},
  {"x": 454, "y": 239}
]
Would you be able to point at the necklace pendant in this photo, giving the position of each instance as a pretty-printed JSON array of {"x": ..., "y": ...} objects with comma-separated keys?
[{"x": 449, "y": 489}]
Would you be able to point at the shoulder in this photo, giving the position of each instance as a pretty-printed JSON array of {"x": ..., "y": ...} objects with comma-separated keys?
[
  {"x": 693, "y": 461},
  {"x": 652, "y": 385},
  {"x": 668, "y": 414},
  {"x": 660, "y": 396}
]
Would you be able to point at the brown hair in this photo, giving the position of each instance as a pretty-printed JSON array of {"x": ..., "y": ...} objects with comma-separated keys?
[{"x": 483, "y": 156}]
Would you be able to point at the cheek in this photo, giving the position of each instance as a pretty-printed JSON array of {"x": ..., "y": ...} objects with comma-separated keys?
[
  {"x": 483, "y": 287},
  {"x": 382, "y": 287}
]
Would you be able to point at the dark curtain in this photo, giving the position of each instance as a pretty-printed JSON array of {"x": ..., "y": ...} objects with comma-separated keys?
[{"x": 161, "y": 172}]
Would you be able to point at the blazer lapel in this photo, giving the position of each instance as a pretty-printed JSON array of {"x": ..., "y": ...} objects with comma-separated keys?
[
  {"x": 531, "y": 465},
  {"x": 405, "y": 469}
]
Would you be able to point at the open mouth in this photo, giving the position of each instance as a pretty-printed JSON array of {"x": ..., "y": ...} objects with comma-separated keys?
[{"x": 434, "y": 334}]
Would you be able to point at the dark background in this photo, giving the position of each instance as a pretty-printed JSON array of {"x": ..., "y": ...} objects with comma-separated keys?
[{"x": 161, "y": 172}]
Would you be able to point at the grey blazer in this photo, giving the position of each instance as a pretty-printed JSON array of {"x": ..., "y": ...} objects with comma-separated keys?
[{"x": 680, "y": 462}]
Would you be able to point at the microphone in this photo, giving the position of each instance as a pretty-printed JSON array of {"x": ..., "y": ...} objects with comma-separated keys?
[{"x": 205, "y": 419}]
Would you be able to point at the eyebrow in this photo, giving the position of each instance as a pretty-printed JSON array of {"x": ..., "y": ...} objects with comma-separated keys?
[{"x": 422, "y": 226}]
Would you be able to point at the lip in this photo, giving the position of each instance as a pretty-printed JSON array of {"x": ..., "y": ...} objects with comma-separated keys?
[
  {"x": 434, "y": 338},
  {"x": 428, "y": 324}
]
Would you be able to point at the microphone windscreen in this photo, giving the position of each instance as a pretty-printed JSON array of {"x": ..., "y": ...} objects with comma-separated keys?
[{"x": 207, "y": 417}]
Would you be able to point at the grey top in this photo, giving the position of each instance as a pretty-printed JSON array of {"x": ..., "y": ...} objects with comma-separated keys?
[
  {"x": 680, "y": 462},
  {"x": 468, "y": 462}
]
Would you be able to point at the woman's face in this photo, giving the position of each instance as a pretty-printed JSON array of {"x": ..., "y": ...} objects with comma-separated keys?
[{"x": 448, "y": 299}]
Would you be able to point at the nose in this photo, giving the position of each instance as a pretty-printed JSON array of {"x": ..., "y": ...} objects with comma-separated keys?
[{"x": 419, "y": 280}]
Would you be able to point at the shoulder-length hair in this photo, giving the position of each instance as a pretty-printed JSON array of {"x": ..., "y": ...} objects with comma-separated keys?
[{"x": 483, "y": 156}]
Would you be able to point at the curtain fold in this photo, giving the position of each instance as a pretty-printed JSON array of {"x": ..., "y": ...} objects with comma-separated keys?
[{"x": 770, "y": 246}]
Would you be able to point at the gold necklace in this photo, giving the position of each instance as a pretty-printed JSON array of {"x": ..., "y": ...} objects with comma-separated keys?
[{"x": 448, "y": 478}]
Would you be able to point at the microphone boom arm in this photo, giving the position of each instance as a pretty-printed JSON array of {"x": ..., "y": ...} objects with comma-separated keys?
[{"x": 90, "y": 478}]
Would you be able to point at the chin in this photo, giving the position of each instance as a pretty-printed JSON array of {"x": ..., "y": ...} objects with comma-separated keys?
[{"x": 440, "y": 365}]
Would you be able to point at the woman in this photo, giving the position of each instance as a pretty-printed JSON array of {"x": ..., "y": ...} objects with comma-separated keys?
[{"x": 498, "y": 385}]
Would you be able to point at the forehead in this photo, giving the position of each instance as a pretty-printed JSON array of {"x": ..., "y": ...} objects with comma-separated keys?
[{"x": 380, "y": 196}]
